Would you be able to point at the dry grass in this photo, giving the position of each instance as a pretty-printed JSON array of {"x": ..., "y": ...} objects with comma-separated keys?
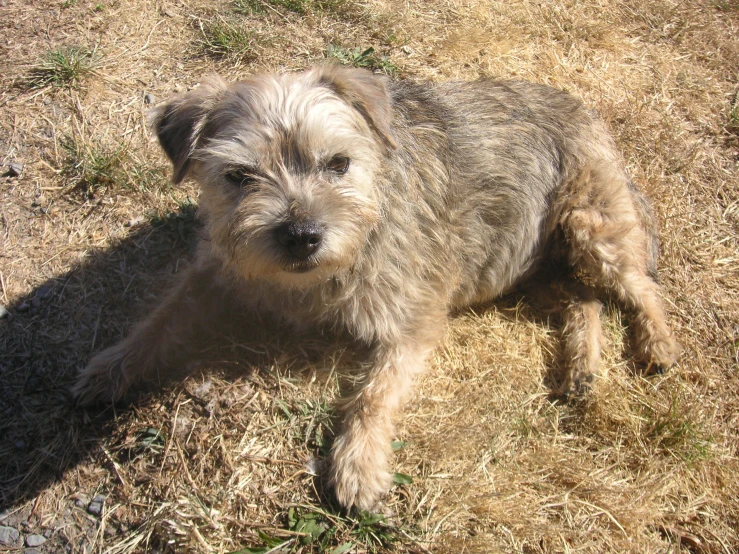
[{"x": 91, "y": 233}]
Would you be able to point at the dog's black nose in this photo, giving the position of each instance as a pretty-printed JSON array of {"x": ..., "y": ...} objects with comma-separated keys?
[{"x": 301, "y": 239}]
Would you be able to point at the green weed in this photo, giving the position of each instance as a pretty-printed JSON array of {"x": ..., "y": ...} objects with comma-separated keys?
[
  {"x": 223, "y": 39},
  {"x": 676, "y": 434},
  {"x": 299, "y": 7},
  {"x": 89, "y": 167},
  {"x": 249, "y": 7},
  {"x": 328, "y": 533},
  {"x": 361, "y": 57},
  {"x": 64, "y": 66}
]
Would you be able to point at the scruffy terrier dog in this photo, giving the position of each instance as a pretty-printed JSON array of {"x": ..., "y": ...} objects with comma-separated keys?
[{"x": 337, "y": 198}]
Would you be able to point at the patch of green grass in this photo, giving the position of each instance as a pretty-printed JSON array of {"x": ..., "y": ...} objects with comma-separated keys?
[
  {"x": 675, "y": 433},
  {"x": 222, "y": 39},
  {"x": 310, "y": 421},
  {"x": 361, "y": 57},
  {"x": 249, "y": 7},
  {"x": 90, "y": 167},
  {"x": 329, "y": 533},
  {"x": 733, "y": 118},
  {"x": 65, "y": 66},
  {"x": 299, "y": 7}
]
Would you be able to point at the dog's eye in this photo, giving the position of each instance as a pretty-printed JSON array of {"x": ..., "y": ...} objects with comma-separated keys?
[
  {"x": 338, "y": 164},
  {"x": 240, "y": 177}
]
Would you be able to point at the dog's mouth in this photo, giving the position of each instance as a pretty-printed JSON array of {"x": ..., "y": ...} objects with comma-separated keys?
[{"x": 301, "y": 266}]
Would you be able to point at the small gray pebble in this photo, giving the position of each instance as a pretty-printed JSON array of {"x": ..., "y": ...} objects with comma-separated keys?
[
  {"x": 35, "y": 540},
  {"x": 4, "y": 515},
  {"x": 35, "y": 302},
  {"x": 3, "y": 314},
  {"x": 9, "y": 536},
  {"x": 96, "y": 506},
  {"x": 24, "y": 307},
  {"x": 15, "y": 169},
  {"x": 149, "y": 99}
]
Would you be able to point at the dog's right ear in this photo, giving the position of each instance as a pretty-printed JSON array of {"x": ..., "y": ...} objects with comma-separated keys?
[
  {"x": 178, "y": 123},
  {"x": 365, "y": 92}
]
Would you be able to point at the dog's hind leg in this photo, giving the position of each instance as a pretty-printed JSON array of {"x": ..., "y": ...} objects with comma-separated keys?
[
  {"x": 607, "y": 231},
  {"x": 582, "y": 337}
]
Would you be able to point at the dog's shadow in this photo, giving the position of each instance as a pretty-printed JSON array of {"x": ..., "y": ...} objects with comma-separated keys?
[
  {"x": 51, "y": 333},
  {"x": 48, "y": 336}
]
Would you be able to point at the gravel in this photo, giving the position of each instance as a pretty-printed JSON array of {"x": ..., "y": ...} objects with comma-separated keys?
[
  {"x": 35, "y": 540},
  {"x": 9, "y": 536},
  {"x": 96, "y": 506},
  {"x": 15, "y": 169}
]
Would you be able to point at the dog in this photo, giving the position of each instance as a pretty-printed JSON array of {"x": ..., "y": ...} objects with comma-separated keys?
[{"x": 338, "y": 198}]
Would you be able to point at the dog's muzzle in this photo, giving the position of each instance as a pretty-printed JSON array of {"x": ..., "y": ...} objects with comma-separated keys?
[{"x": 300, "y": 239}]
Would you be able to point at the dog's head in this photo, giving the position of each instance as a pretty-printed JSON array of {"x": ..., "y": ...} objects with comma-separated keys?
[{"x": 287, "y": 165}]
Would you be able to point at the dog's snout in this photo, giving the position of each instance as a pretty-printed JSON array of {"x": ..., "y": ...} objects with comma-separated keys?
[{"x": 301, "y": 239}]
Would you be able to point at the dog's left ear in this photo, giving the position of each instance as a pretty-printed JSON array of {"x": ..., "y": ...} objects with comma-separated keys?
[
  {"x": 179, "y": 123},
  {"x": 365, "y": 92}
]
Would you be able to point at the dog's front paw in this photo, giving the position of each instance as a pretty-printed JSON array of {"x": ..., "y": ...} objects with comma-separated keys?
[
  {"x": 105, "y": 379},
  {"x": 358, "y": 474},
  {"x": 578, "y": 383}
]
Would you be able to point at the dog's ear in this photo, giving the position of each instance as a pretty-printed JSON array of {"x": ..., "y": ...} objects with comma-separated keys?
[
  {"x": 178, "y": 123},
  {"x": 365, "y": 92}
]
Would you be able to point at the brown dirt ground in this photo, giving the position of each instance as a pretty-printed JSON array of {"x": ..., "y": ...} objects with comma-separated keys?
[{"x": 219, "y": 462}]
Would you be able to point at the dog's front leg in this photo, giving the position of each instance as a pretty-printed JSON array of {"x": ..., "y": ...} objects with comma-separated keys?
[
  {"x": 360, "y": 457},
  {"x": 160, "y": 343}
]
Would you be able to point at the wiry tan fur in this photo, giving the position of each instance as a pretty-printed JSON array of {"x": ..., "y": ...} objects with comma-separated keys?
[{"x": 453, "y": 194}]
